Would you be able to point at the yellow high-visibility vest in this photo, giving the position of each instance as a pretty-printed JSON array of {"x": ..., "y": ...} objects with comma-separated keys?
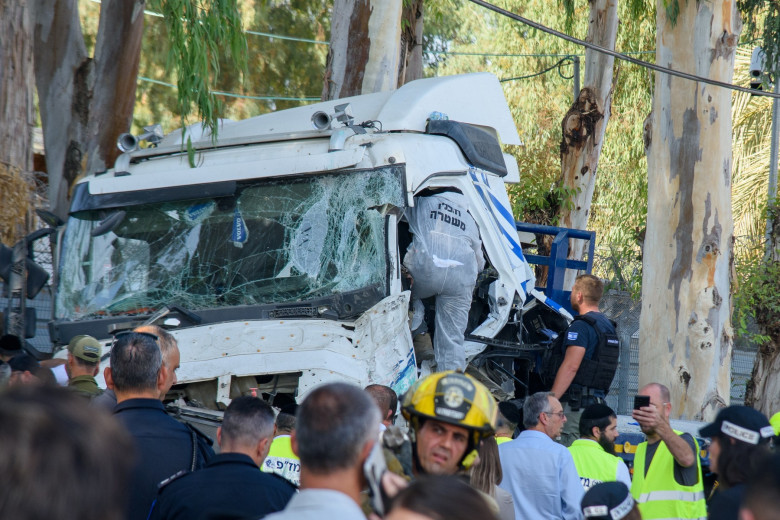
[
  {"x": 658, "y": 494},
  {"x": 282, "y": 461},
  {"x": 594, "y": 465}
]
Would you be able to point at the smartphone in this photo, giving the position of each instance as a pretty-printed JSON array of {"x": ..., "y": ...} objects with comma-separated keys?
[
  {"x": 373, "y": 468},
  {"x": 640, "y": 401}
]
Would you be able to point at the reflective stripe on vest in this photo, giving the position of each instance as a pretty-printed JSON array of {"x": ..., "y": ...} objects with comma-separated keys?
[
  {"x": 658, "y": 494},
  {"x": 690, "y": 496},
  {"x": 594, "y": 465}
]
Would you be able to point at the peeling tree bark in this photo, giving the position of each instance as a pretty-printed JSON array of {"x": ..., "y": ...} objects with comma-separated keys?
[
  {"x": 84, "y": 103},
  {"x": 16, "y": 112},
  {"x": 585, "y": 123},
  {"x": 16, "y": 83},
  {"x": 763, "y": 389},
  {"x": 685, "y": 327},
  {"x": 364, "y": 48}
]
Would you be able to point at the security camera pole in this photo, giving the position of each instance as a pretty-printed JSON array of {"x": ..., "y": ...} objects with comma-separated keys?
[
  {"x": 772, "y": 195},
  {"x": 757, "y": 67}
]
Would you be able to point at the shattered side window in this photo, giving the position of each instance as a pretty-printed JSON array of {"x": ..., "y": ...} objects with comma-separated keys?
[{"x": 278, "y": 241}]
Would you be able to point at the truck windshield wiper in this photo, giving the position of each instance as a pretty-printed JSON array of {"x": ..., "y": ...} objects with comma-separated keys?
[{"x": 167, "y": 309}]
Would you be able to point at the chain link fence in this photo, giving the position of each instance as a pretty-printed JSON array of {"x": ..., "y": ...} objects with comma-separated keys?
[
  {"x": 625, "y": 311},
  {"x": 43, "y": 311}
]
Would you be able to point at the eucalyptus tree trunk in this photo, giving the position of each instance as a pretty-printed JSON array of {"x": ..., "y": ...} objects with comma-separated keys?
[
  {"x": 685, "y": 328},
  {"x": 16, "y": 117},
  {"x": 364, "y": 48},
  {"x": 85, "y": 103},
  {"x": 585, "y": 123},
  {"x": 411, "y": 62}
]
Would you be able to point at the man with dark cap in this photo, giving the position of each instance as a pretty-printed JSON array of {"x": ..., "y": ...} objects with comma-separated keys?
[
  {"x": 762, "y": 496},
  {"x": 609, "y": 501},
  {"x": 163, "y": 445},
  {"x": 10, "y": 346},
  {"x": 510, "y": 414},
  {"x": 739, "y": 442},
  {"x": 26, "y": 370},
  {"x": 83, "y": 365},
  {"x": 594, "y": 452}
]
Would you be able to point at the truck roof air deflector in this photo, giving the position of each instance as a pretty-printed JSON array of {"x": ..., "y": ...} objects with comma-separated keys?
[{"x": 480, "y": 147}]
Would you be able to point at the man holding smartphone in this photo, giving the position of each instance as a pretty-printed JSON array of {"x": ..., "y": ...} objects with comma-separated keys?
[
  {"x": 667, "y": 468},
  {"x": 585, "y": 357}
]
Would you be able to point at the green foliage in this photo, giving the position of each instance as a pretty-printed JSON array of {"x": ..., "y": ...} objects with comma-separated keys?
[
  {"x": 672, "y": 8},
  {"x": 200, "y": 34},
  {"x": 752, "y": 120},
  {"x": 277, "y": 68},
  {"x": 538, "y": 104},
  {"x": 762, "y": 21},
  {"x": 758, "y": 299}
]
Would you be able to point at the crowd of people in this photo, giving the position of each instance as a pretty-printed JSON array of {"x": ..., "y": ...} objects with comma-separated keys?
[{"x": 74, "y": 450}]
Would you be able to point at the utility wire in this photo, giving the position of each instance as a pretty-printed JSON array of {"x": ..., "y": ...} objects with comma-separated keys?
[
  {"x": 620, "y": 56},
  {"x": 510, "y": 55},
  {"x": 230, "y": 94},
  {"x": 548, "y": 69},
  {"x": 291, "y": 38},
  {"x": 247, "y": 31}
]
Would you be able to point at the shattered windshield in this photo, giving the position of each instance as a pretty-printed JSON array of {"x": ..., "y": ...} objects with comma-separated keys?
[{"x": 275, "y": 241}]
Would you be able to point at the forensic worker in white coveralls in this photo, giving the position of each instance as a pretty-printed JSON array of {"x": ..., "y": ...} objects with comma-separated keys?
[{"x": 444, "y": 259}]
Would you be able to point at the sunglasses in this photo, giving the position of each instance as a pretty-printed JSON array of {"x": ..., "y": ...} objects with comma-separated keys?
[{"x": 126, "y": 333}]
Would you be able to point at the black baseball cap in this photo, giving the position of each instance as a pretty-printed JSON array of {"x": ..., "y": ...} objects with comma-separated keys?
[
  {"x": 742, "y": 423},
  {"x": 607, "y": 501}
]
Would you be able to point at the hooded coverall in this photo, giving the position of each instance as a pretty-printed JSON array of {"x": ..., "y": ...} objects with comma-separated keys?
[{"x": 444, "y": 259}]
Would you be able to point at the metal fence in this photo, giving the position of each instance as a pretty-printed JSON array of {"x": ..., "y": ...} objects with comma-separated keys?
[
  {"x": 625, "y": 311},
  {"x": 42, "y": 306}
]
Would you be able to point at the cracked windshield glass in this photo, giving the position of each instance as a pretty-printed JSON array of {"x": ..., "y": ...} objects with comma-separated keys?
[{"x": 273, "y": 242}]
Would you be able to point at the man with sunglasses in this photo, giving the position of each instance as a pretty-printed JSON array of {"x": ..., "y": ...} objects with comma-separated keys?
[
  {"x": 163, "y": 446},
  {"x": 170, "y": 364},
  {"x": 539, "y": 472}
]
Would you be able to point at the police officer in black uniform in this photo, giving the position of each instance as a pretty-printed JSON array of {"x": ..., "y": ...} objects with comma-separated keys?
[
  {"x": 163, "y": 445},
  {"x": 231, "y": 485},
  {"x": 585, "y": 357}
]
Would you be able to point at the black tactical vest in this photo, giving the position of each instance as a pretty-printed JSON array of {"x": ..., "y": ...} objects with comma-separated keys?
[{"x": 595, "y": 373}]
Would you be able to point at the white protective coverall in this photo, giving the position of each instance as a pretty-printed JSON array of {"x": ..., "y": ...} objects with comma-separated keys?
[{"x": 444, "y": 259}]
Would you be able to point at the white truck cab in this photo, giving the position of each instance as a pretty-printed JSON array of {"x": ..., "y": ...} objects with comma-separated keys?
[{"x": 273, "y": 254}]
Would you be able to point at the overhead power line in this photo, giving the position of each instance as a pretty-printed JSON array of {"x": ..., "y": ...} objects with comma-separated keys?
[
  {"x": 247, "y": 31},
  {"x": 511, "y": 55},
  {"x": 231, "y": 94},
  {"x": 619, "y": 55},
  {"x": 545, "y": 71},
  {"x": 291, "y": 38}
]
